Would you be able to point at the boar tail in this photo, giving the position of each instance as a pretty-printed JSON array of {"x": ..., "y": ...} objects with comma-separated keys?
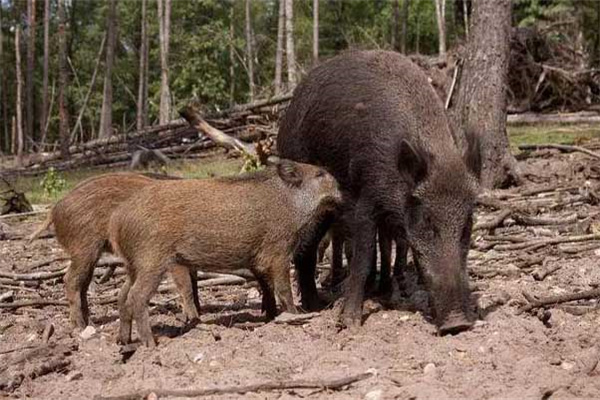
[{"x": 42, "y": 228}]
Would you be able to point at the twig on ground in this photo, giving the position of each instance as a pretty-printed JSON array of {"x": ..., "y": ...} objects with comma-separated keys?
[
  {"x": 536, "y": 244},
  {"x": 541, "y": 273},
  {"x": 494, "y": 222},
  {"x": 552, "y": 300},
  {"x": 331, "y": 384}
]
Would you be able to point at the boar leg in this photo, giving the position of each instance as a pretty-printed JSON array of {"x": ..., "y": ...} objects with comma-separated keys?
[
  {"x": 280, "y": 275},
  {"x": 385, "y": 249},
  {"x": 400, "y": 263},
  {"x": 140, "y": 293},
  {"x": 305, "y": 261},
  {"x": 187, "y": 286},
  {"x": 77, "y": 280},
  {"x": 125, "y": 314},
  {"x": 364, "y": 232},
  {"x": 269, "y": 306}
]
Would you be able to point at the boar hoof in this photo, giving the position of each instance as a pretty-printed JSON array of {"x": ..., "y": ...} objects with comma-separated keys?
[{"x": 455, "y": 323}]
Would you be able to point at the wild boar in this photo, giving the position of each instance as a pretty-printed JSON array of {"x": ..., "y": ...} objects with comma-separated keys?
[
  {"x": 81, "y": 223},
  {"x": 255, "y": 221},
  {"x": 375, "y": 123}
]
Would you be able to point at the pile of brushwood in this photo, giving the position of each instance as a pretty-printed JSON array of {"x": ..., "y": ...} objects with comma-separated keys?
[{"x": 177, "y": 139}]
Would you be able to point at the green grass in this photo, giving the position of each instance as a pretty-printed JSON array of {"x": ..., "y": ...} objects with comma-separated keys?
[
  {"x": 200, "y": 169},
  {"x": 557, "y": 134}
]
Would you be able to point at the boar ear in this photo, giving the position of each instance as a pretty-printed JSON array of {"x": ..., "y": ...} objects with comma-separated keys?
[
  {"x": 472, "y": 154},
  {"x": 412, "y": 163},
  {"x": 289, "y": 172}
]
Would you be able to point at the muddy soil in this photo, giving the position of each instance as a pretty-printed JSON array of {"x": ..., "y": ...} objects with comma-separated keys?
[{"x": 542, "y": 354}]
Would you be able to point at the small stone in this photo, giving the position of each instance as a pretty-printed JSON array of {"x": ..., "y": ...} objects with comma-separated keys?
[
  {"x": 567, "y": 366},
  {"x": 479, "y": 323},
  {"x": 253, "y": 293},
  {"x": 555, "y": 360},
  {"x": 198, "y": 358},
  {"x": 374, "y": 394},
  {"x": 404, "y": 318},
  {"x": 32, "y": 337},
  {"x": 152, "y": 396},
  {"x": 74, "y": 376},
  {"x": 511, "y": 271},
  {"x": 88, "y": 332},
  {"x": 214, "y": 364},
  {"x": 430, "y": 369}
]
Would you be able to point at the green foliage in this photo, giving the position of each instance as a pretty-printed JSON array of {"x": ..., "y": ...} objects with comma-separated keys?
[
  {"x": 53, "y": 183},
  {"x": 251, "y": 163}
]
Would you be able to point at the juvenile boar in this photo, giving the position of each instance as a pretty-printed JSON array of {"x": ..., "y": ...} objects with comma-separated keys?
[
  {"x": 81, "y": 223},
  {"x": 254, "y": 221},
  {"x": 375, "y": 123}
]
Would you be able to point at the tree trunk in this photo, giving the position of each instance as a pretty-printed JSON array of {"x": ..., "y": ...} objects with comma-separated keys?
[
  {"x": 107, "y": 98},
  {"x": 279, "y": 50},
  {"x": 249, "y": 52},
  {"x": 231, "y": 57},
  {"x": 315, "y": 32},
  {"x": 4, "y": 126},
  {"x": 289, "y": 34},
  {"x": 19, "y": 100},
  {"x": 44, "y": 110},
  {"x": 164, "y": 23},
  {"x": 440, "y": 13},
  {"x": 405, "y": 4},
  {"x": 480, "y": 104},
  {"x": 466, "y": 17},
  {"x": 63, "y": 114},
  {"x": 30, "y": 68},
  {"x": 142, "y": 101},
  {"x": 418, "y": 29},
  {"x": 395, "y": 25}
]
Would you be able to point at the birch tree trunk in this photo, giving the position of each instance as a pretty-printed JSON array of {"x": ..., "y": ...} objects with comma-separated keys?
[
  {"x": 30, "y": 69},
  {"x": 315, "y": 32},
  {"x": 279, "y": 51},
  {"x": 63, "y": 114},
  {"x": 142, "y": 101},
  {"x": 289, "y": 34},
  {"x": 164, "y": 23},
  {"x": 4, "y": 127},
  {"x": 395, "y": 25},
  {"x": 480, "y": 96},
  {"x": 249, "y": 52},
  {"x": 231, "y": 57},
  {"x": 44, "y": 109},
  {"x": 107, "y": 99},
  {"x": 440, "y": 13},
  {"x": 404, "y": 18},
  {"x": 19, "y": 100}
]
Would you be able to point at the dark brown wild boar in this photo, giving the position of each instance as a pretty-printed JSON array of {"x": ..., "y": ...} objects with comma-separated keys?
[
  {"x": 81, "y": 223},
  {"x": 255, "y": 221},
  {"x": 375, "y": 123}
]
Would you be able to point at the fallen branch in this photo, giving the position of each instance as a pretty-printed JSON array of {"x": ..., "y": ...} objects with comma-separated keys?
[
  {"x": 536, "y": 244},
  {"x": 332, "y": 384},
  {"x": 552, "y": 300},
  {"x": 494, "y": 222},
  {"x": 25, "y": 214},
  {"x": 561, "y": 147},
  {"x": 541, "y": 273},
  {"x": 528, "y": 220},
  {"x": 34, "y": 303},
  {"x": 194, "y": 117}
]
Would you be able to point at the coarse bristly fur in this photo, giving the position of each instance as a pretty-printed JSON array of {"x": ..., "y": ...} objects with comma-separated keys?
[
  {"x": 80, "y": 221},
  {"x": 375, "y": 123},
  {"x": 254, "y": 221}
]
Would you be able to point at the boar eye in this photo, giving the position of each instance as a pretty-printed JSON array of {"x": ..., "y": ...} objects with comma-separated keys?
[{"x": 320, "y": 173}]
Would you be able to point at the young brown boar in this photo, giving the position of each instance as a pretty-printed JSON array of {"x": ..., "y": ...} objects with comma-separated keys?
[
  {"x": 254, "y": 221},
  {"x": 81, "y": 223}
]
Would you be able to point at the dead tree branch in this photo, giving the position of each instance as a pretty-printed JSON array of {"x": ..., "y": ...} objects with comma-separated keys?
[
  {"x": 553, "y": 300},
  {"x": 331, "y": 384}
]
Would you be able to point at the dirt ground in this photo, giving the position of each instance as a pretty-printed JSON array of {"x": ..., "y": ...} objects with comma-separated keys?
[{"x": 509, "y": 354}]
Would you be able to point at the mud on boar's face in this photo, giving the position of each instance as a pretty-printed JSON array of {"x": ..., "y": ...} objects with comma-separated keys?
[{"x": 438, "y": 222}]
